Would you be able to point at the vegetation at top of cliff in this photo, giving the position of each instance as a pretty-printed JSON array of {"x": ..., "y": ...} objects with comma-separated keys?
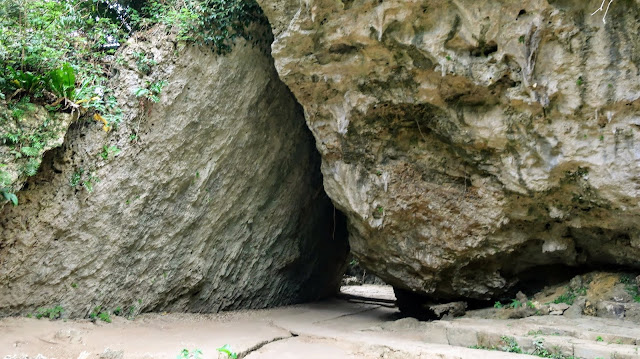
[
  {"x": 41, "y": 36},
  {"x": 213, "y": 23},
  {"x": 59, "y": 53}
]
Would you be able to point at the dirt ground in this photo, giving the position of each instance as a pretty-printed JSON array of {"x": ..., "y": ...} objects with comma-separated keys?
[{"x": 335, "y": 329}]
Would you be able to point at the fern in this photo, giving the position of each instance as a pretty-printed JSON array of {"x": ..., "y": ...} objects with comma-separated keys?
[
  {"x": 30, "y": 151},
  {"x": 31, "y": 168}
]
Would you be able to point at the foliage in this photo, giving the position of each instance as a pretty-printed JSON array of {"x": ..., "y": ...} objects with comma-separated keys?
[
  {"x": 631, "y": 287},
  {"x": 76, "y": 177},
  {"x": 186, "y": 354},
  {"x": 570, "y": 296},
  {"x": 62, "y": 81},
  {"x": 151, "y": 92},
  {"x": 40, "y": 36},
  {"x": 214, "y": 23},
  {"x": 98, "y": 313},
  {"x": 48, "y": 46},
  {"x": 51, "y": 313},
  {"x": 22, "y": 81},
  {"x": 567, "y": 298},
  {"x": 109, "y": 150},
  {"x": 515, "y": 304},
  {"x": 497, "y": 305},
  {"x": 9, "y": 196},
  {"x": 512, "y": 346},
  {"x": 86, "y": 179},
  {"x": 58, "y": 53},
  {"x": 31, "y": 167},
  {"x": 5, "y": 183},
  {"x": 144, "y": 63},
  {"x": 226, "y": 349}
]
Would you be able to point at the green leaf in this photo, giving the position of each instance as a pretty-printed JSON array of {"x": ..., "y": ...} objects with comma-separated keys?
[
  {"x": 10, "y": 197},
  {"x": 139, "y": 92},
  {"x": 227, "y": 350},
  {"x": 30, "y": 151},
  {"x": 62, "y": 81}
]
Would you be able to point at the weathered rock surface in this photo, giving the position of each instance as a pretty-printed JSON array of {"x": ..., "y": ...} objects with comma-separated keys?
[
  {"x": 471, "y": 143},
  {"x": 217, "y": 204},
  {"x": 26, "y": 133}
]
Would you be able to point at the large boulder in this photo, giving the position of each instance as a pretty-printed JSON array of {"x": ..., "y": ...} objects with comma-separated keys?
[
  {"x": 210, "y": 199},
  {"x": 472, "y": 143}
]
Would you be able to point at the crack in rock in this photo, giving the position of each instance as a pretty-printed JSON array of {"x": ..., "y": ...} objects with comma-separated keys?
[{"x": 258, "y": 346}]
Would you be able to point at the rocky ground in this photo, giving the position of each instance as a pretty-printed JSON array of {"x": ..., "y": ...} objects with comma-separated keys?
[{"x": 362, "y": 323}]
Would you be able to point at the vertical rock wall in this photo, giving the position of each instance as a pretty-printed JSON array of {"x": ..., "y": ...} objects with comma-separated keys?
[{"x": 216, "y": 204}]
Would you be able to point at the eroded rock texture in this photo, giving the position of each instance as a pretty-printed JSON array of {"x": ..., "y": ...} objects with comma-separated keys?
[
  {"x": 217, "y": 204},
  {"x": 471, "y": 143}
]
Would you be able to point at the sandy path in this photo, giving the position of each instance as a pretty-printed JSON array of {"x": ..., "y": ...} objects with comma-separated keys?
[
  {"x": 336, "y": 329},
  {"x": 333, "y": 329}
]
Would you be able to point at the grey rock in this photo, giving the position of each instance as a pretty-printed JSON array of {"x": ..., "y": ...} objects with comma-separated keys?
[
  {"x": 522, "y": 297},
  {"x": 217, "y": 205},
  {"x": 632, "y": 312},
  {"x": 112, "y": 354},
  {"x": 576, "y": 309},
  {"x": 464, "y": 140},
  {"x": 449, "y": 310},
  {"x": 558, "y": 308},
  {"x": 620, "y": 294},
  {"x": 607, "y": 309},
  {"x": 576, "y": 283},
  {"x": 350, "y": 280}
]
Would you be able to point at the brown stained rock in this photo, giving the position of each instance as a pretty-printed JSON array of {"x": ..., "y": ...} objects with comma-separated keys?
[{"x": 471, "y": 144}]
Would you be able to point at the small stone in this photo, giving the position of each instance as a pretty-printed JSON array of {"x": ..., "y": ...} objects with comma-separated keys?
[
  {"x": 449, "y": 310},
  {"x": 558, "y": 308},
  {"x": 350, "y": 280},
  {"x": 522, "y": 312},
  {"x": 112, "y": 354}
]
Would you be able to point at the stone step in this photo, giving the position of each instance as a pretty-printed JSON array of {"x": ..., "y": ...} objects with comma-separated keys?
[{"x": 581, "y": 339}]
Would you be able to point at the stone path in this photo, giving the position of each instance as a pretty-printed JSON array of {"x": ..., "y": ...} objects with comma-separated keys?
[{"x": 333, "y": 329}]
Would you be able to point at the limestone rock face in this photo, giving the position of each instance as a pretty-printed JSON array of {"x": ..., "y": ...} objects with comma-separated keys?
[
  {"x": 471, "y": 143},
  {"x": 26, "y": 133},
  {"x": 210, "y": 199}
]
